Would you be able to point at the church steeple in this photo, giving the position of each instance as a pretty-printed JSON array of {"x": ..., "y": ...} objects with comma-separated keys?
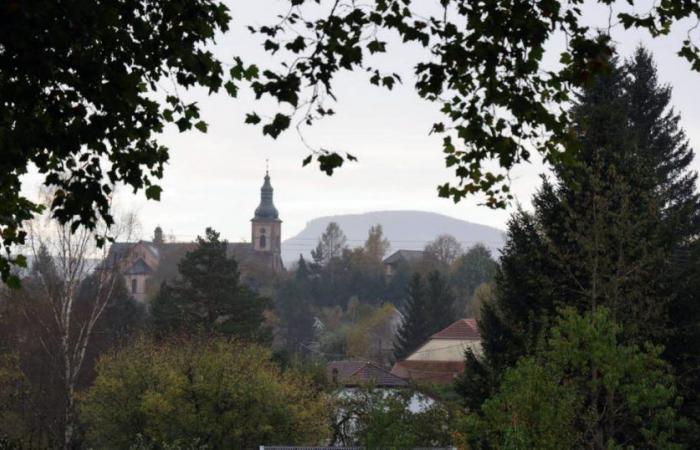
[
  {"x": 266, "y": 232},
  {"x": 266, "y": 209}
]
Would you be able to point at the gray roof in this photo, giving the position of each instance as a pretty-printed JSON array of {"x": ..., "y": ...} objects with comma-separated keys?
[
  {"x": 266, "y": 209},
  {"x": 403, "y": 255},
  {"x": 139, "y": 268}
]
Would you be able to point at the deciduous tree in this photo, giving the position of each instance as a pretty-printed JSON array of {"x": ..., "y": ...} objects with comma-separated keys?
[
  {"x": 79, "y": 102},
  {"x": 443, "y": 250},
  {"x": 330, "y": 245},
  {"x": 219, "y": 393}
]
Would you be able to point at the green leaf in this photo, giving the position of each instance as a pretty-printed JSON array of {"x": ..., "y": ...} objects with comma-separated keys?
[
  {"x": 201, "y": 126},
  {"x": 252, "y": 118},
  {"x": 153, "y": 192}
]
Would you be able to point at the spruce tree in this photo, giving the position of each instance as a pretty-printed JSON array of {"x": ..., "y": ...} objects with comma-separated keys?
[
  {"x": 666, "y": 146},
  {"x": 208, "y": 296},
  {"x": 293, "y": 309},
  {"x": 440, "y": 303},
  {"x": 414, "y": 330},
  {"x": 606, "y": 233}
]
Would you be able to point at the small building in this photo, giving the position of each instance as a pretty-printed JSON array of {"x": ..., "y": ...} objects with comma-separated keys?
[
  {"x": 392, "y": 262},
  {"x": 145, "y": 264},
  {"x": 441, "y": 358}
]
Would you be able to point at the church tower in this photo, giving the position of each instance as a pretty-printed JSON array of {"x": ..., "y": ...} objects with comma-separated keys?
[{"x": 267, "y": 227}]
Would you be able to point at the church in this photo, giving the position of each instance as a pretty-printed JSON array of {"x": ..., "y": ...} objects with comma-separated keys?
[{"x": 146, "y": 264}]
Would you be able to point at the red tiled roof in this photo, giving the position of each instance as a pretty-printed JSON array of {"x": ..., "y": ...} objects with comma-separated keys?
[
  {"x": 441, "y": 372},
  {"x": 462, "y": 329},
  {"x": 354, "y": 373}
]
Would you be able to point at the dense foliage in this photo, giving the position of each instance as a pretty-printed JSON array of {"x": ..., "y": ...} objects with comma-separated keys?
[
  {"x": 584, "y": 388},
  {"x": 485, "y": 67},
  {"x": 222, "y": 394}
]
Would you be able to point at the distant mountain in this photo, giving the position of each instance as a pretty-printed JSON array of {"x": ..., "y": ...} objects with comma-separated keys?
[{"x": 409, "y": 230}]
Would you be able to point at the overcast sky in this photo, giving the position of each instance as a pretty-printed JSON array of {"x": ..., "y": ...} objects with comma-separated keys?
[{"x": 213, "y": 179}]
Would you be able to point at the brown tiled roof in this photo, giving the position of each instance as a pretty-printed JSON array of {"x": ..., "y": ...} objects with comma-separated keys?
[
  {"x": 462, "y": 329},
  {"x": 355, "y": 373},
  {"x": 441, "y": 372}
]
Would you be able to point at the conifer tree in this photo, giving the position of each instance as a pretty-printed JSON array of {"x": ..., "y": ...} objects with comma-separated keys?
[
  {"x": 293, "y": 309},
  {"x": 603, "y": 234},
  {"x": 414, "y": 329},
  {"x": 666, "y": 146},
  {"x": 440, "y": 301},
  {"x": 208, "y": 296}
]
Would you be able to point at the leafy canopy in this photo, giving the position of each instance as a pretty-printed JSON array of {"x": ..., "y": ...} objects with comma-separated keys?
[
  {"x": 220, "y": 393},
  {"x": 485, "y": 69},
  {"x": 78, "y": 87}
]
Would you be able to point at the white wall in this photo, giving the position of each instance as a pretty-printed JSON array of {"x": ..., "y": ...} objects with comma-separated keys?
[{"x": 445, "y": 350}]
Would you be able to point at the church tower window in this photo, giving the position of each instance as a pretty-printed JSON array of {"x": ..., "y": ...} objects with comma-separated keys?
[{"x": 263, "y": 238}]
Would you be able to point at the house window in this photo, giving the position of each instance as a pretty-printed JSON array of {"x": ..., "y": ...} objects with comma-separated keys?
[
  {"x": 133, "y": 285},
  {"x": 263, "y": 238}
]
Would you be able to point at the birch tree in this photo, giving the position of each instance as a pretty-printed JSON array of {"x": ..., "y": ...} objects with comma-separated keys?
[{"x": 63, "y": 260}]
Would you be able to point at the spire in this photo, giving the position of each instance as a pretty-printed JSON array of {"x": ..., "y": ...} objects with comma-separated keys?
[{"x": 266, "y": 209}]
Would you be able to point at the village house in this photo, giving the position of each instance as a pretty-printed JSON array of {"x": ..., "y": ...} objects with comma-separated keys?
[
  {"x": 392, "y": 262},
  {"x": 441, "y": 358}
]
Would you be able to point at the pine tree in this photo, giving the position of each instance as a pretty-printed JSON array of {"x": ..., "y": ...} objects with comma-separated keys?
[
  {"x": 208, "y": 296},
  {"x": 414, "y": 329},
  {"x": 602, "y": 234}
]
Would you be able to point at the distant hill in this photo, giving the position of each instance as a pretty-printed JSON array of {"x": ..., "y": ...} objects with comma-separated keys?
[{"x": 409, "y": 230}]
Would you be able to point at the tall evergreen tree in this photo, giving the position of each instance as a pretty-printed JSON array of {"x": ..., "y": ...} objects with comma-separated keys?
[
  {"x": 208, "y": 296},
  {"x": 666, "y": 146},
  {"x": 440, "y": 303},
  {"x": 603, "y": 234},
  {"x": 293, "y": 308},
  {"x": 414, "y": 329}
]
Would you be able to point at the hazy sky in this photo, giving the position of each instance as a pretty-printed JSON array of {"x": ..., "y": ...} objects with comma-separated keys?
[{"x": 213, "y": 179}]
